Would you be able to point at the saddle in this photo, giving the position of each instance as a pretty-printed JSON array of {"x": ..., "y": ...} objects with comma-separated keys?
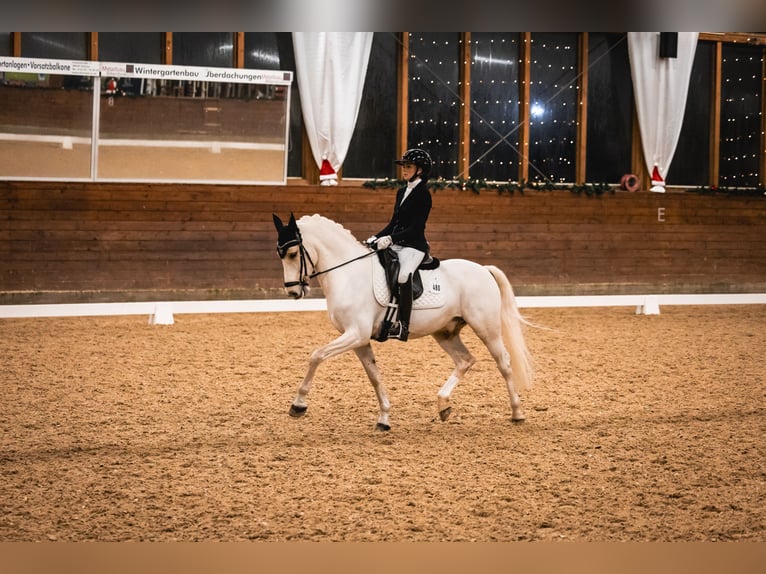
[{"x": 390, "y": 262}]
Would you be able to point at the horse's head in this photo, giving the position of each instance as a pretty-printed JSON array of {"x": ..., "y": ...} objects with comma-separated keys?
[{"x": 293, "y": 254}]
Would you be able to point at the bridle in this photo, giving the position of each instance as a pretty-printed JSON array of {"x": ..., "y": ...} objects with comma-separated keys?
[{"x": 304, "y": 275}]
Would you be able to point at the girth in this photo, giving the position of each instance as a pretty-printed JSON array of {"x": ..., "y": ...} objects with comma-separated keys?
[{"x": 390, "y": 262}]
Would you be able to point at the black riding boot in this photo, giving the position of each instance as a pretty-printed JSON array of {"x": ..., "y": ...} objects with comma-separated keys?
[{"x": 401, "y": 328}]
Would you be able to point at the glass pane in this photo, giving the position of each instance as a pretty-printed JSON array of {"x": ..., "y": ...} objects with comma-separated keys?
[
  {"x": 274, "y": 51},
  {"x": 553, "y": 107},
  {"x": 45, "y": 125},
  {"x": 372, "y": 150},
  {"x": 434, "y": 106},
  {"x": 691, "y": 162},
  {"x": 203, "y": 49},
  {"x": 741, "y": 68},
  {"x": 191, "y": 130},
  {"x": 60, "y": 45},
  {"x": 610, "y": 108},
  {"x": 139, "y": 47},
  {"x": 5, "y": 44},
  {"x": 494, "y": 106}
]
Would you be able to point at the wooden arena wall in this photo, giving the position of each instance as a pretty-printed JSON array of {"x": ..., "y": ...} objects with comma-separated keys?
[{"x": 102, "y": 242}]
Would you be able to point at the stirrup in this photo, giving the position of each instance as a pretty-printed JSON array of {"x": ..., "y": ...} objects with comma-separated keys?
[{"x": 398, "y": 331}]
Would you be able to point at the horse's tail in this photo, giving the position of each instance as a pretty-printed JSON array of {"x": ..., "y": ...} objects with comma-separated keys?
[{"x": 513, "y": 335}]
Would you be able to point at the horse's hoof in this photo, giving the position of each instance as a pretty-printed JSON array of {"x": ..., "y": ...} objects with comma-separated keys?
[
  {"x": 518, "y": 421},
  {"x": 382, "y": 427},
  {"x": 297, "y": 411},
  {"x": 444, "y": 414}
]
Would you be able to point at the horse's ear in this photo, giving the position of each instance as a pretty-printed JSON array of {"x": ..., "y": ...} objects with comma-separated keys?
[
  {"x": 292, "y": 223},
  {"x": 277, "y": 222}
]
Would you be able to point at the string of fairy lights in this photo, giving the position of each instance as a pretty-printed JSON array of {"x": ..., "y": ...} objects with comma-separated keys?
[
  {"x": 434, "y": 113},
  {"x": 741, "y": 121}
]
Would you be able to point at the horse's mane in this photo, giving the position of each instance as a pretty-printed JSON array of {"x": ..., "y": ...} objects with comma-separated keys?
[{"x": 324, "y": 225}]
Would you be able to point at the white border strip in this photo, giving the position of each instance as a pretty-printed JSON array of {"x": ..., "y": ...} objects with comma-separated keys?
[{"x": 284, "y": 305}]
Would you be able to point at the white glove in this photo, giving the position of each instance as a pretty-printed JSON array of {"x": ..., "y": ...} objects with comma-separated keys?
[
  {"x": 385, "y": 242},
  {"x": 371, "y": 240}
]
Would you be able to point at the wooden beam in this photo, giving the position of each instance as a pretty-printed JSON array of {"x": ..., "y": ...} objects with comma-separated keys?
[
  {"x": 464, "y": 123},
  {"x": 714, "y": 144},
  {"x": 239, "y": 49},
  {"x": 402, "y": 110},
  {"x": 582, "y": 110},
  {"x": 93, "y": 46},
  {"x": 524, "y": 94},
  {"x": 16, "y": 44},
  {"x": 167, "y": 56},
  {"x": 754, "y": 39}
]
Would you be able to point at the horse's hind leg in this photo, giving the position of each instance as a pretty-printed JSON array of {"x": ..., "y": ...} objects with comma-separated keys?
[
  {"x": 503, "y": 359},
  {"x": 452, "y": 343},
  {"x": 367, "y": 359}
]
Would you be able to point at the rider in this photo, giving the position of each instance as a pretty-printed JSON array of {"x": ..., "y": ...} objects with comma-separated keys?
[{"x": 405, "y": 234}]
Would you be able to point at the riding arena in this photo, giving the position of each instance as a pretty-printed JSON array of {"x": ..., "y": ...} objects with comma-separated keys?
[{"x": 589, "y": 366}]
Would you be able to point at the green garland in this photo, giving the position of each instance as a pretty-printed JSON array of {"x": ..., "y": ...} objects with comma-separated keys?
[{"x": 477, "y": 185}]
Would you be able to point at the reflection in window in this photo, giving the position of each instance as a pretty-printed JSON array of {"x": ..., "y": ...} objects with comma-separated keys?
[
  {"x": 434, "y": 105},
  {"x": 215, "y": 49},
  {"x": 274, "y": 51},
  {"x": 691, "y": 162},
  {"x": 494, "y": 106},
  {"x": 373, "y": 147},
  {"x": 54, "y": 144},
  {"x": 190, "y": 130},
  {"x": 610, "y": 108},
  {"x": 59, "y": 45},
  {"x": 138, "y": 47},
  {"x": 741, "y": 68},
  {"x": 553, "y": 107}
]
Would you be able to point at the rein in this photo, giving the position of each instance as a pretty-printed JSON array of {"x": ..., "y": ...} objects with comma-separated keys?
[
  {"x": 317, "y": 273},
  {"x": 282, "y": 249}
]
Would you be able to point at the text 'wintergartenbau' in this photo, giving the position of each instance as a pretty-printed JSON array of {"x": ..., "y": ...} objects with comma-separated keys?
[{"x": 162, "y": 73}]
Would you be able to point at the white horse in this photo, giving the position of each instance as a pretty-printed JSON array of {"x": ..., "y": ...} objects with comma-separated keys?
[{"x": 477, "y": 295}]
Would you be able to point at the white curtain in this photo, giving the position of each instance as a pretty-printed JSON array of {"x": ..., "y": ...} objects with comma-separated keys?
[
  {"x": 330, "y": 69},
  {"x": 660, "y": 86}
]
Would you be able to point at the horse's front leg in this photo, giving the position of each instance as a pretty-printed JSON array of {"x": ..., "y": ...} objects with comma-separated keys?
[
  {"x": 345, "y": 342},
  {"x": 367, "y": 358}
]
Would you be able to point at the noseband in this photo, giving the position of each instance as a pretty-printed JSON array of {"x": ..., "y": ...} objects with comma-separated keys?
[
  {"x": 304, "y": 274},
  {"x": 282, "y": 251}
]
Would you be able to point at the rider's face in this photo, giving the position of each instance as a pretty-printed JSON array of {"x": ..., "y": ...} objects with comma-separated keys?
[{"x": 408, "y": 170}]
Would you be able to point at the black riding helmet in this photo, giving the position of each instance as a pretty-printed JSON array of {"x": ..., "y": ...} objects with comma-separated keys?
[{"x": 420, "y": 158}]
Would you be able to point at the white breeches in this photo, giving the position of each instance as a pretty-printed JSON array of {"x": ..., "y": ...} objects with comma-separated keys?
[{"x": 409, "y": 259}]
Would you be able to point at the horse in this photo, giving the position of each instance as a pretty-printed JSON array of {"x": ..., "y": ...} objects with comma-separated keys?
[{"x": 469, "y": 293}]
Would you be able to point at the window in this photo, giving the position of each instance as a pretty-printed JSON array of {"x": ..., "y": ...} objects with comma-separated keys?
[
  {"x": 136, "y": 47},
  {"x": 372, "y": 151},
  {"x": 5, "y": 44},
  {"x": 553, "y": 107},
  {"x": 214, "y": 49},
  {"x": 274, "y": 51},
  {"x": 741, "y": 83},
  {"x": 56, "y": 45},
  {"x": 610, "y": 108},
  {"x": 494, "y": 105},
  {"x": 434, "y": 106},
  {"x": 691, "y": 162}
]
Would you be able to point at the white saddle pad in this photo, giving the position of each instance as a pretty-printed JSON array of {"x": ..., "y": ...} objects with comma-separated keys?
[{"x": 433, "y": 290}]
